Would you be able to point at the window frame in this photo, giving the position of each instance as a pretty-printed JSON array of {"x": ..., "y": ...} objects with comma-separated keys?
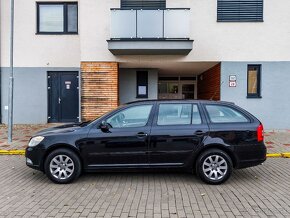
[
  {"x": 191, "y": 124},
  {"x": 65, "y": 18},
  {"x": 258, "y": 94},
  {"x": 233, "y": 108}
]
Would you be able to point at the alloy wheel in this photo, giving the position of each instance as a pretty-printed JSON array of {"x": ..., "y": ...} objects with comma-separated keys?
[
  {"x": 215, "y": 167},
  {"x": 61, "y": 167}
]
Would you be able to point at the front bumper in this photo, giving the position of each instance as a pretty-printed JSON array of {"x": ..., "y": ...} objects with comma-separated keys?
[{"x": 34, "y": 157}]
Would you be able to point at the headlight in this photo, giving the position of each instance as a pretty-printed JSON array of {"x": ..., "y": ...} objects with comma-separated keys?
[{"x": 35, "y": 141}]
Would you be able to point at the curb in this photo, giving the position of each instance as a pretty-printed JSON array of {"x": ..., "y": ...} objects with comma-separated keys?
[
  {"x": 12, "y": 152},
  {"x": 22, "y": 152},
  {"x": 283, "y": 155}
]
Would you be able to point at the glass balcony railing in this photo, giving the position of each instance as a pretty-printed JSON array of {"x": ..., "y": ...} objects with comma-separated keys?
[{"x": 150, "y": 24}]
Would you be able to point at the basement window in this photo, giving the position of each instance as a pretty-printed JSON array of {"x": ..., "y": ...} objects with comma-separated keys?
[
  {"x": 57, "y": 18},
  {"x": 254, "y": 81}
]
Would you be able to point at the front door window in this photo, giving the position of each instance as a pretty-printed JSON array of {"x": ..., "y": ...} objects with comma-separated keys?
[{"x": 136, "y": 116}]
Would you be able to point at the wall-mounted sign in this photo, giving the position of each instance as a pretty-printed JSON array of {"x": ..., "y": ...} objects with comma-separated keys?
[
  {"x": 232, "y": 81},
  {"x": 67, "y": 84},
  {"x": 233, "y": 84},
  {"x": 233, "y": 77},
  {"x": 142, "y": 90}
]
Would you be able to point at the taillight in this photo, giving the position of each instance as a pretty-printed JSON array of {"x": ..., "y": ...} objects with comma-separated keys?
[{"x": 260, "y": 133}]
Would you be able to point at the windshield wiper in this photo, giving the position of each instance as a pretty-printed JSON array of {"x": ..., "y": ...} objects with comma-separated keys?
[{"x": 84, "y": 123}]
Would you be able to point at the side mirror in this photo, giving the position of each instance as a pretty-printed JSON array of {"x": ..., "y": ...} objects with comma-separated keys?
[{"x": 104, "y": 126}]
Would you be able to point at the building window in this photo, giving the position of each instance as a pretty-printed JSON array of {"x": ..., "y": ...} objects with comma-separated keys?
[
  {"x": 142, "y": 84},
  {"x": 254, "y": 81},
  {"x": 143, "y": 4},
  {"x": 240, "y": 11},
  {"x": 57, "y": 18}
]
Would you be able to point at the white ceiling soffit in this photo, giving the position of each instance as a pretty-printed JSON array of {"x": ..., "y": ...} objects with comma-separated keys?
[{"x": 171, "y": 67}]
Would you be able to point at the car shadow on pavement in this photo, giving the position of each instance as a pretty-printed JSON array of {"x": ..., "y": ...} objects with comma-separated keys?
[{"x": 248, "y": 175}]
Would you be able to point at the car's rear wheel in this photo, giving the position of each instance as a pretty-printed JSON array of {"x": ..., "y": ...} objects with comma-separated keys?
[
  {"x": 214, "y": 166},
  {"x": 62, "y": 166}
]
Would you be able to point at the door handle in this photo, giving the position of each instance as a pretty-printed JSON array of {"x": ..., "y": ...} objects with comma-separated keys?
[
  {"x": 142, "y": 134},
  {"x": 59, "y": 100},
  {"x": 199, "y": 133}
]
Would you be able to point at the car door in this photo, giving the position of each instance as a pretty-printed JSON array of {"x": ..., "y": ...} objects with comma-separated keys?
[
  {"x": 234, "y": 127},
  {"x": 125, "y": 144},
  {"x": 177, "y": 131}
]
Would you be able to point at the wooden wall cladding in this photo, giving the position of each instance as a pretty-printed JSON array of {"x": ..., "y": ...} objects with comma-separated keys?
[
  {"x": 209, "y": 82},
  {"x": 99, "y": 88}
]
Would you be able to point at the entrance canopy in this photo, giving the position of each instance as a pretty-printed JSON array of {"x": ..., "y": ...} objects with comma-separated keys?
[
  {"x": 170, "y": 67},
  {"x": 169, "y": 80}
]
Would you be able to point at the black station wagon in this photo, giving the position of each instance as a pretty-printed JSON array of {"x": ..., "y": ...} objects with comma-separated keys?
[{"x": 207, "y": 137}]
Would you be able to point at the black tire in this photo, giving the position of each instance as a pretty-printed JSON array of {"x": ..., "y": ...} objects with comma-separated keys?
[
  {"x": 72, "y": 168},
  {"x": 206, "y": 169}
]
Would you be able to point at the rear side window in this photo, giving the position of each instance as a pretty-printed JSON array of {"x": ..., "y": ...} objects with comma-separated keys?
[
  {"x": 178, "y": 114},
  {"x": 225, "y": 114}
]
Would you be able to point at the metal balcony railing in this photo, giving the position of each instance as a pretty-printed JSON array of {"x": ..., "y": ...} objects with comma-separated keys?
[{"x": 150, "y": 24}]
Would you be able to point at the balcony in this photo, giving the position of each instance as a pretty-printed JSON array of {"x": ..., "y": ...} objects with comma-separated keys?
[{"x": 152, "y": 32}]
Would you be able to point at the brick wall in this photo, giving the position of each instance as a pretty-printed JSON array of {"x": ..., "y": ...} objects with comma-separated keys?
[
  {"x": 208, "y": 86},
  {"x": 99, "y": 88}
]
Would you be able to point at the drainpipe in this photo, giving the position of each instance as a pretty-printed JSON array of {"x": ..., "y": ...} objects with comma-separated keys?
[
  {"x": 0, "y": 87},
  {"x": 0, "y": 71},
  {"x": 11, "y": 78}
]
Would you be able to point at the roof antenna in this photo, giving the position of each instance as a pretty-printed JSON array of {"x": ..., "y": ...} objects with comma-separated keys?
[{"x": 216, "y": 92}]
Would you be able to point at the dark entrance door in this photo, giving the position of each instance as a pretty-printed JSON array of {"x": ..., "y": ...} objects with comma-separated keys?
[{"x": 63, "y": 97}]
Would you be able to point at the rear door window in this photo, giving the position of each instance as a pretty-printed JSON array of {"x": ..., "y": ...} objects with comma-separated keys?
[
  {"x": 225, "y": 114},
  {"x": 178, "y": 114},
  {"x": 196, "y": 119}
]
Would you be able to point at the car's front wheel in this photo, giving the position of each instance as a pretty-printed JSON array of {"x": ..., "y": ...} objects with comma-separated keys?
[
  {"x": 214, "y": 166},
  {"x": 62, "y": 166}
]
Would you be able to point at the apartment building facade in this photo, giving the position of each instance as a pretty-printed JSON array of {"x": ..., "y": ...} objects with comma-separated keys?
[{"x": 75, "y": 60}]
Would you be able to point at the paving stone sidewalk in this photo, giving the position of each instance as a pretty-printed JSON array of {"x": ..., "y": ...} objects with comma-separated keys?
[
  {"x": 276, "y": 141},
  {"x": 261, "y": 191},
  {"x": 21, "y": 135}
]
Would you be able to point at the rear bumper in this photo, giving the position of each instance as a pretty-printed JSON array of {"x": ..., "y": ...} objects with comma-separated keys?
[
  {"x": 249, "y": 163},
  {"x": 249, "y": 156}
]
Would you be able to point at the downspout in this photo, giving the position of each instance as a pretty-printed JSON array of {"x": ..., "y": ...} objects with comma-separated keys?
[
  {"x": 0, "y": 69},
  {"x": 11, "y": 77}
]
